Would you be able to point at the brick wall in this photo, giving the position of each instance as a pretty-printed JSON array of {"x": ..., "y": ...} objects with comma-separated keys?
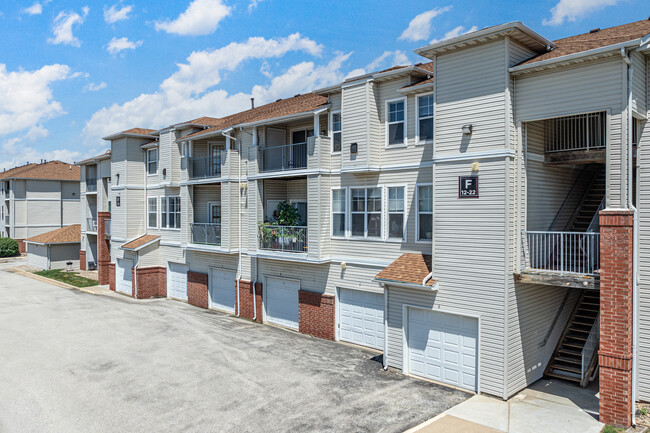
[
  {"x": 82, "y": 260},
  {"x": 197, "y": 289},
  {"x": 316, "y": 314},
  {"x": 21, "y": 246},
  {"x": 246, "y": 299},
  {"x": 152, "y": 282},
  {"x": 616, "y": 315},
  {"x": 111, "y": 276},
  {"x": 103, "y": 249}
]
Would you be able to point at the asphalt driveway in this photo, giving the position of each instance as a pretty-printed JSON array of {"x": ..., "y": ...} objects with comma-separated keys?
[{"x": 75, "y": 362}]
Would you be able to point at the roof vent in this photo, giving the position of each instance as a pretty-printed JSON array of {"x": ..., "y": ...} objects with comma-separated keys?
[{"x": 596, "y": 30}]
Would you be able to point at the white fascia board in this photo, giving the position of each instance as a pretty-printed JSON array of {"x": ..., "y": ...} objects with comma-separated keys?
[
  {"x": 406, "y": 285},
  {"x": 282, "y": 118},
  {"x": 129, "y": 135},
  {"x": 200, "y": 137}
]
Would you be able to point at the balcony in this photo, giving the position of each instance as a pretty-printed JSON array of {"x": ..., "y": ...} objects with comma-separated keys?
[
  {"x": 568, "y": 259},
  {"x": 283, "y": 158},
  {"x": 206, "y": 167},
  {"x": 91, "y": 224},
  {"x": 205, "y": 234},
  {"x": 285, "y": 239},
  {"x": 107, "y": 228},
  {"x": 91, "y": 184}
]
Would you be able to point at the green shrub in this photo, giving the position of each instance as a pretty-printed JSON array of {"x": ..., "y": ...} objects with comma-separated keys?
[{"x": 8, "y": 247}]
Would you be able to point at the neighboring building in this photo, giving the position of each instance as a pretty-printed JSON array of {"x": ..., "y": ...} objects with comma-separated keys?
[
  {"x": 39, "y": 198},
  {"x": 355, "y": 213},
  {"x": 55, "y": 249}
]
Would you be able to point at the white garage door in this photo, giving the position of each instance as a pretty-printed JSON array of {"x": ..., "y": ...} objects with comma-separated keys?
[
  {"x": 123, "y": 276},
  {"x": 361, "y": 318},
  {"x": 222, "y": 290},
  {"x": 177, "y": 281},
  {"x": 443, "y": 347},
  {"x": 282, "y": 301}
]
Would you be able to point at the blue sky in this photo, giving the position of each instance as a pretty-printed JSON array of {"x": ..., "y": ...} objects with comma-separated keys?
[{"x": 73, "y": 71}]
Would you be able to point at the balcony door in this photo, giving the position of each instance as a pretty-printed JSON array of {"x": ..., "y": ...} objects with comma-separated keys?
[
  {"x": 214, "y": 213},
  {"x": 217, "y": 152},
  {"x": 298, "y": 153},
  {"x": 273, "y": 158}
]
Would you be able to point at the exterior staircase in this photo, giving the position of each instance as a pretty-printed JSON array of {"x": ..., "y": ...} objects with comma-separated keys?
[
  {"x": 587, "y": 210},
  {"x": 576, "y": 355}
]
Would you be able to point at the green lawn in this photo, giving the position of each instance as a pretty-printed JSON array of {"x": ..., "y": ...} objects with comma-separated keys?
[
  {"x": 611, "y": 429},
  {"x": 71, "y": 278}
]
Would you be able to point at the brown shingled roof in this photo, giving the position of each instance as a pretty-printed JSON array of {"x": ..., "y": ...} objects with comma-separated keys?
[
  {"x": 138, "y": 243},
  {"x": 64, "y": 235},
  {"x": 92, "y": 159},
  {"x": 598, "y": 39},
  {"x": 279, "y": 108},
  {"x": 56, "y": 170},
  {"x": 408, "y": 268},
  {"x": 138, "y": 131}
]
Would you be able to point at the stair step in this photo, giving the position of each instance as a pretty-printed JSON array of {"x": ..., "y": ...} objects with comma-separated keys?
[
  {"x": 570, "y": 352},
  {"x": 563, "y": 376},
  {"x": 573, "y": 337},
  {"x": 567, "y": 368},
  {"x": 577, "y": 361}
]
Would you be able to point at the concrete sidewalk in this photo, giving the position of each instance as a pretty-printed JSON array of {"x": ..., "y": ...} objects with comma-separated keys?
[{"x": 546, "y": 407}]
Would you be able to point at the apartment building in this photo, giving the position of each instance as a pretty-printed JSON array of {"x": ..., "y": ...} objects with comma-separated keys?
[
  {"x": 38, "y": 198},
  {"x": 480, "y": 217}
]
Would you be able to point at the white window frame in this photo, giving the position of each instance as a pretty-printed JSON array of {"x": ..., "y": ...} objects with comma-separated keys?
[
  {"x": 417, "y": 119},
  {"x": 332, "y": 132},
  {"x": 417, "y": 213},
  {"x": 166, "y": 214},
  {"x": 382, "y": 194},
  {"x": 388, "y": 123},
  {"x": 149, "y": 161},
  {"x": 210, "y": 204},
  {"x": 302, "y": 128},
  {"x": 156, "y": 226},
  {"x": 387, "y": 213},
  {"x": 346, "y": 231}
]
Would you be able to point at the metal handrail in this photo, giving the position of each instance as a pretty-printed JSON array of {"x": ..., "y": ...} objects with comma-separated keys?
[
  {"x": 91, "y": 184},
  {"x": 561, "y": 252},
  {"x": 206, "y": 167},
  {"x": 205, "y": 233},
  {"x": 589, "y": 350},
  {"x": 91, "y": 224},
  {"x": 292, "y": 239},
  {"x": 594, "y": 225},
  {"x": 282, "y": 158}
]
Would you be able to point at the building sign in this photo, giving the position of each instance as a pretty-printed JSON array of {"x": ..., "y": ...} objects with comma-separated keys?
[{"x": 468, "y": 187}]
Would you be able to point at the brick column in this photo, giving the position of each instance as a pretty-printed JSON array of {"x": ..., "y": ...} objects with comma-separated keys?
[
  {"x": 111, "y": 276},
  {"x": 246, "y": 299},
  {"x": 103, "y": 248},
  {"x": 616, "y": 315},
  {"x": 22, "y": 248},
  {"x": 316, "y": 314},
  {"x": 82, "y": 260},
  {"x": 197, "y": 289}
]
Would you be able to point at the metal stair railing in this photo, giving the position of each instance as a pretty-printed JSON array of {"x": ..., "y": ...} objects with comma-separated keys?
[{"x": 589, "y": 352}]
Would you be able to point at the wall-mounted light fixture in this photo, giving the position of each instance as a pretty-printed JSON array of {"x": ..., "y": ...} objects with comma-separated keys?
[
  {"x": 354, "y": 148},
  {"x": 467, "y": 129},
  {"x": 164, "y": 172},
  {"x": 475, "y": 167}
]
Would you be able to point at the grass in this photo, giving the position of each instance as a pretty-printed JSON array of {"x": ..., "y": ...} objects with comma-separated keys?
[
  {"x": 72, "y": 278},
  {"x": 612, "y": 429}
]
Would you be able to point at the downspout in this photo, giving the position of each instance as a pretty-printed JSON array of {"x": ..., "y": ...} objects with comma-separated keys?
[
  {"x": 385, "y": 326},
  {"x": 635, "y": 230},
  {"x": 254, "y": 295},
  {"x": 226, "y": 133},
  {"x": 135, "y": 273},
  {"x": 427, "y": 278}
]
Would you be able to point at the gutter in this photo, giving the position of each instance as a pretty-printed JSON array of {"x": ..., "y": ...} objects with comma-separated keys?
[{"x": 406, "y": 285}]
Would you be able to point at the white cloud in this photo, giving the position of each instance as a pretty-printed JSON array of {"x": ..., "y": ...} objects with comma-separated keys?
[
  {"x": 62, "y": 27},
  {"x": 117, "y": 45},
  {"x": 26, "y": 97},
  {"x": 201, "y": 17},
  {"x": 419, "y": 28},
  {"x": 117, "y": 13},
  {"x": 396, "y": 57},
  {"x": 265, "y": 70},
  {"x": 16, "y": 151},
  {"x": 572, "y": 10},
  {"x": 35, "y": 9},
  {"x": 93, "y": 87},
  {"x": 190, "y": 92},
  {"x": 253, "y": 4},
  {"x": 460, "y": 30}
]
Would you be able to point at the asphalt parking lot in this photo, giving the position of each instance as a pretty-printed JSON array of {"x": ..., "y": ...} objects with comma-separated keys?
[{"x": 76, "y": 362}]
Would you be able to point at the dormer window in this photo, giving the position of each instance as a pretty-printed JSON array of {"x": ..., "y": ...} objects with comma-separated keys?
[
  {"x": 152, "y": 161},
  {"x": 396, "y": 122}
]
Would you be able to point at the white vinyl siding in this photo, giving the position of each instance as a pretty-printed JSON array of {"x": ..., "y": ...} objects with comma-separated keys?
[
  {"x": 37, "y": 256},
  {"x": 643, "y": 204}
]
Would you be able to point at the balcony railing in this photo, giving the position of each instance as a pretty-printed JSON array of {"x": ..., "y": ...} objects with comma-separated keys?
[
  {"x": 91, "y": 224},
  {"x": 205, "y": 234},
  {"x": 283, "y": 158},
  {"x": 107, "y": 228},
  {"x": 291, "y": 239},
  {"x": 206, "y": 167},
  {"x": 91, "y": 184},
  {"x": 561, "y": 252},
  {"x": 579, "y": 132}
]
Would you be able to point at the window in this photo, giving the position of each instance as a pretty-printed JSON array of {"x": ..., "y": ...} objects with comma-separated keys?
[
  {"x": 152, "y": 161},
  {"x": 301, "y": 206},
  {"x": 396, "y": 212},
  {"x": 170, "y": 212},
  {"x": 300, "y": 135},
  {"x": 425, "y": 212},
  {"x": 366, "y": 212},
  {"x": 425, "y": 118},
  {"x": 336, "y": 132},
  {"x": 152, "y": 212},
  {"x": 338, "y": 212},
  {"x": 396, "y": 120}
]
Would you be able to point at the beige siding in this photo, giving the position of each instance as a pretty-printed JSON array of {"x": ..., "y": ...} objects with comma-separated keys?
[
  {"x": 44, "y": 189},
  {"x": 37, "y": 256},
  {"x": 354, "y": 124},
  {"x": 639, "y": 83},
  {"x": 61, "y": 254},
  {"x": 644, "y": 264}
]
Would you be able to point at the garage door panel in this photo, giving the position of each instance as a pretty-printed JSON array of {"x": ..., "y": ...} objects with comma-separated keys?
[
  {"x": 177, "y": 280},
  {"x": 282, "y": 301},
  {"x": 443, "y": 347},
  {"x": 361, "y": 318},
  {"x": 222, "y": 289},
  {"x": 124, "y": 276}
]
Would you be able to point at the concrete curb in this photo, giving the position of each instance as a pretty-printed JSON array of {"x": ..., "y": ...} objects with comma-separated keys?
[{"x": 43, "y": 279}]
